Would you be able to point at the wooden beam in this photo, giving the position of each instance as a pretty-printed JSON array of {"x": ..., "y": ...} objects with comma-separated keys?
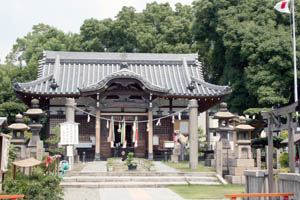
[
  {"x": 286, "y": 109},
  {"x": 124, "y": 114}
]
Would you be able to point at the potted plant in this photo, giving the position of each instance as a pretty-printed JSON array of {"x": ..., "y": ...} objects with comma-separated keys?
[
  {"x": 130, "y": 161},
  {"x": 109, "y": 165}
]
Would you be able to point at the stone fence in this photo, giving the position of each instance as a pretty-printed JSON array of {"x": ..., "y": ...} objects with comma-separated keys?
[
  {"x": 289, "y": 183},
  {"x": 257, "y": 182}
]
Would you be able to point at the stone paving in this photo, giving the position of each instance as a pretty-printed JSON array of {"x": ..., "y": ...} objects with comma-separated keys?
[
  {"x": 160, "y": 167},
  {"x": 121, "y": 193},
  {"x": 96, "y": 166}
]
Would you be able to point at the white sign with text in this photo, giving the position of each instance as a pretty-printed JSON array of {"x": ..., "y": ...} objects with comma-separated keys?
[{"x": 69, "y": 133}]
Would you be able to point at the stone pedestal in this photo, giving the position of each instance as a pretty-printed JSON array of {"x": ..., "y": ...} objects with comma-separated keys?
[
  {"x": 176, "y": 153},
  {"x": 237, "y": 168},
  {"x": 238, "y": 165},
  {"x": 258, "y": 158}
]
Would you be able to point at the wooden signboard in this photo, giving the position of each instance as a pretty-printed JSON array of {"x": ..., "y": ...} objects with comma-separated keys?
[
  {"x": 69, "y": 133},
  {"x": 169, "y": 144},
  {"x": 5, "y": 143},
  {"x": 4, "y": 152}
]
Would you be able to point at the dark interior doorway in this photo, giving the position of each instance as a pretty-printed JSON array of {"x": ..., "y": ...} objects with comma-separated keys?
[{"x": 128, "y": 135}]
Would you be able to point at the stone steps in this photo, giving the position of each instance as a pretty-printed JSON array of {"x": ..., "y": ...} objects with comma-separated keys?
[
  {"x": 136, "y": 173},
  {"x": 139, "y": 179},
  {"x": 136, "y": 179},
  {"x": 128, "y": 184}
]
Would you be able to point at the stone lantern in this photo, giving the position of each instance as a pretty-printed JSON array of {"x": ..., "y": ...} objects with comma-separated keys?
[
  {"x": 242, "y": 137},
  {"x": 35, "y": 114},
  {"x": 243, "y": 157},
  {"x": 18, "y": 139},
  {"x": 224, "y": 128}
]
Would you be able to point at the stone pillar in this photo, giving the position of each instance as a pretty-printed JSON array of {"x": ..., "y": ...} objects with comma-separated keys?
[
  {"x": 291, "y": 144},
  {"x": 150, "y": 134},
  {"x": 277, "y": 159},
  {"x": 98, "y": 133},
  {"x": 219, "y": 158},
  {"x": 234, "y": 142},
  {"x": 70, "y": 117},
  {"x": 70, "y": 113},
  {"x": 258, "y": 158},
  {"x": 193, "y": 129}
]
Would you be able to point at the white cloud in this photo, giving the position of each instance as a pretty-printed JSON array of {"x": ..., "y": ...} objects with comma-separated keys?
[{"x": 18, "y": 16}]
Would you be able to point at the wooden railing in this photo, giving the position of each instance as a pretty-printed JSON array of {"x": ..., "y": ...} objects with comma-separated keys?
[
  {"x": 284, "y": 195},
  {"x": 12, "y": 197}
]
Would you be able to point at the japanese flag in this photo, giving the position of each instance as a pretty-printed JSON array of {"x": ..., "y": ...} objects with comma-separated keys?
[{"x": 282, "y": 6}]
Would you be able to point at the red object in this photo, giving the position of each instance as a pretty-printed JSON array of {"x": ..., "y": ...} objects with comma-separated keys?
[
  {"x": 283, "y": 4},
  {"x": 175, "y": 138},
  {"x": 48, "y": 160},
  {"x": 13, "y": 197},
  {"x": 284, "y": 195}
]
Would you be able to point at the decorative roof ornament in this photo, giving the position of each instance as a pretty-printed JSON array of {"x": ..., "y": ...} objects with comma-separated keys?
[
  {"x": 53, "y": 84},
  {"x": 191, "y": 86},
  {"x": 123, "y": 65}
]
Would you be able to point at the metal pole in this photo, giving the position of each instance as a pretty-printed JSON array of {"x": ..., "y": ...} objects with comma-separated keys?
[{"x": 294, "y": 51}]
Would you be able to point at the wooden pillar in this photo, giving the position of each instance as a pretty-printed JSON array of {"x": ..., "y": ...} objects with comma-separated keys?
[
  {"x": 150, "y": 134},
  {"x": 270, "y": 156},
  {"x": 193, "y": 132},
  {"x": 207, "y": 130},
  {"x": 291, "y": 144},
  {"x": 14, "y": 171},
  {"x": 98, "y": 133}
]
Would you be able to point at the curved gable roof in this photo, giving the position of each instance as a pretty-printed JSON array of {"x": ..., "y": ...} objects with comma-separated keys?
[{"x": 86, "y": 70}]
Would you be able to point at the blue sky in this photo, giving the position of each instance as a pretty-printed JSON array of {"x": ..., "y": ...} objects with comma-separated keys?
[{"x": 18, "y": 16}]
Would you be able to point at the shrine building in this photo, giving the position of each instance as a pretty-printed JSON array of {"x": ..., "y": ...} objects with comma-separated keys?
[{"x": 94, "y": 88}]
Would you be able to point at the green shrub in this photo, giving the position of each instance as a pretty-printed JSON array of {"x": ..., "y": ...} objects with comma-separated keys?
[
  {"x": 36, "y": 187},
  {"x": 130, "y": 160},
  {"x": 284, "y": 159}
]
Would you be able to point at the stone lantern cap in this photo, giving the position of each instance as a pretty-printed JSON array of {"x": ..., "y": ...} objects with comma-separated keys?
[
  {"x": 34, "y": 110},
  {"x": 223, "y": 113},
  {"x": 243, "y": 126},
  {"x": 19, "y": 125}
]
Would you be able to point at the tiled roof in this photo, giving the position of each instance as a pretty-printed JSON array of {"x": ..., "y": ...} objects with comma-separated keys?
[
  {"x": 3, "y": 121},
  {"x": 83, "y": 71}
]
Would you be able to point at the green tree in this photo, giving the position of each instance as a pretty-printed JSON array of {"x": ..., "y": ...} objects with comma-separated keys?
[
  {"x": 29, "y": 49},
  {"x": 247, "y": 45}
]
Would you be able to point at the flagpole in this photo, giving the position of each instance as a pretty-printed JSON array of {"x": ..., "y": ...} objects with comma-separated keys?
[{"x": 294, "y": 51}]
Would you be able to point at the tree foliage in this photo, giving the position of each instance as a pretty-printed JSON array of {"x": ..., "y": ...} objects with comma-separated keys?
[{"x": 248, "y": 45}]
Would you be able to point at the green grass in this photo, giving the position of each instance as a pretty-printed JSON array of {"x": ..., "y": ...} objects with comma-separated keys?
[
  {"x": 184, "y": 167},
  {"x": 206, "y": 191}
]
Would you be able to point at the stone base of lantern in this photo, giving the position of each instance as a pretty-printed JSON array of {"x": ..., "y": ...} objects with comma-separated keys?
[
  {"x": 237, "y": 168},
  {"x": 236, "y": 180}
]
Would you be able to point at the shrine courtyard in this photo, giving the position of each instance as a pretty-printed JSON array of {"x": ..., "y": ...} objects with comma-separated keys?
[{"x": 91, "y": 180}]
